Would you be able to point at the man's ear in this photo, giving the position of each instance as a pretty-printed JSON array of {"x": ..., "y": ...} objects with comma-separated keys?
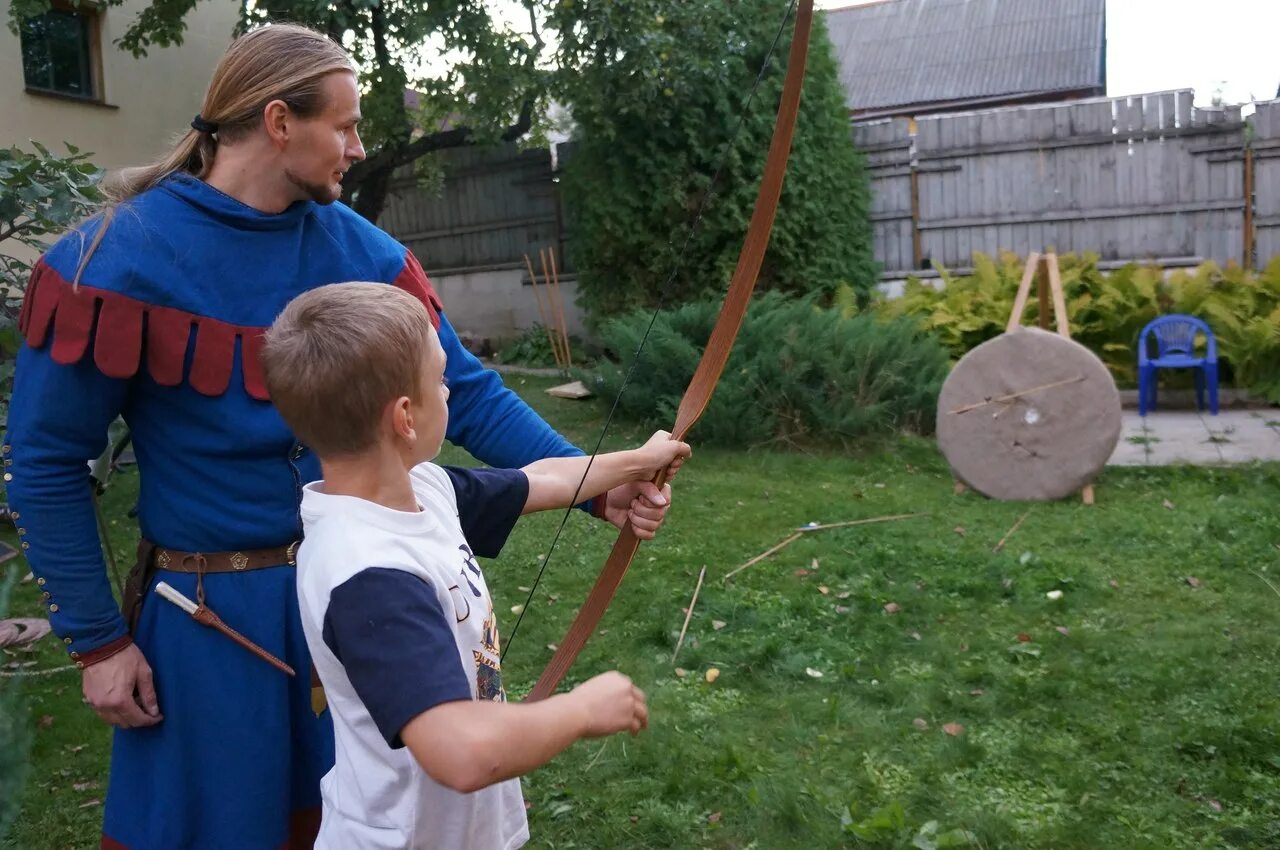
[{"x": 277, "y": 120}]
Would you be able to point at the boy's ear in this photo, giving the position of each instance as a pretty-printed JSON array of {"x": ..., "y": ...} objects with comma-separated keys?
[{"x": 401, "y": 419}]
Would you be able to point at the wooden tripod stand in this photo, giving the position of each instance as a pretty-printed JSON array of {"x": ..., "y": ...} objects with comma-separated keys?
[{"x": 1043, "y": 268}]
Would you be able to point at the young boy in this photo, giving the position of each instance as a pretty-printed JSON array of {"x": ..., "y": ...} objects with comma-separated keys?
[{"x": 395, "y": 608}]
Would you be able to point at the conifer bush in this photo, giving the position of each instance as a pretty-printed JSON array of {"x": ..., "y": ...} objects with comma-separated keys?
[{"x": 799, "y": 373}]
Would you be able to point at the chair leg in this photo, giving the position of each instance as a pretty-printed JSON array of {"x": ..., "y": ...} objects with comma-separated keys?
[
  {"x": 1142, "y": 391},
  {"x": 1211, "y": 378},
  {"x": 1200, "y": 382}
]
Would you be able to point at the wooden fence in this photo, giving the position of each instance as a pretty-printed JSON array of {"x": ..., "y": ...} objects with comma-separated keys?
[
  {"x": 1129, "y": 178},
  {"x": 497, "y": 205},
  {"x": 1148, "y": 177},
  {"x": 1263, "y": 169}
]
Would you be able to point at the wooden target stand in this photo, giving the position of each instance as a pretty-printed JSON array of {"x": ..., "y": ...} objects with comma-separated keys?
[{"x": 1043, "y": 268}]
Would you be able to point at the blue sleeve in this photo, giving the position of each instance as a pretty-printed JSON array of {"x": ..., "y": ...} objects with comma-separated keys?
[
  {"x": 394, "y": 641},
  {"x": 489, "y": 420},
  {"x": 489, "y": 503},
  {"x": 58, "y": 420}
]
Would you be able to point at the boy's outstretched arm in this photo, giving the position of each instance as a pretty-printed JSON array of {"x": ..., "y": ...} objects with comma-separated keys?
[
  {"x": 393, "y": 634},
  {"x": 469, "y": 745},
  {"x": 554, "y": 482}
]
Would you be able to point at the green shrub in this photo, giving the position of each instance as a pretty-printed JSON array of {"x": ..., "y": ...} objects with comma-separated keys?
[
  {"x": 15, "y": 733},
  {"x": 658, "y": 90},
  {"x": 531, "y": 348},
  {"x": 798, "y": 373},
  {"x": 1107, "y": 311}
]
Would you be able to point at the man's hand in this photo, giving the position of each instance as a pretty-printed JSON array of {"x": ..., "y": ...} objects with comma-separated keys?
[
  {"x": 640, "y": 505},
  {"x": 120, "y": 690}
]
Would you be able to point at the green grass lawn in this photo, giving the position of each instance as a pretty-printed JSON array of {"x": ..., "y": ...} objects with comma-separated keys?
[{"x": 1138, "y": 711}]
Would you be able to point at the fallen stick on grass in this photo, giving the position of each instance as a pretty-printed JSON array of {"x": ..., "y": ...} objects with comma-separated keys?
[
  {"x": 807, "y": 528},
  {"x": 758, "y": 558},
  {"x": 802, "y": 531},
  {"x": 1005, "y": 539},
  {"x": 688, "y": 615},
  {"x": 1264, "y": 579}
]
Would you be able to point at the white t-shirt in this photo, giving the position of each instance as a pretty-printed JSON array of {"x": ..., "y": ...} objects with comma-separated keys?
[{"x": 398, "y": 620}]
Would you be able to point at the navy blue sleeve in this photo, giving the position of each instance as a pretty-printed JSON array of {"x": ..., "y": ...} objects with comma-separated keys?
[
  {"x": 489, "y": 420},
  {"x": 394, "y": 640},
  {"x": 489, "y": 503}
]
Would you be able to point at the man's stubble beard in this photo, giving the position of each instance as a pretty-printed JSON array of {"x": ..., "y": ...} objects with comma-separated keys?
[{"x": 321, "y": 193}]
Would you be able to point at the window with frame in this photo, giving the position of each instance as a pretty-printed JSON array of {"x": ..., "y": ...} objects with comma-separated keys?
[{"x": 59, "y": 51}]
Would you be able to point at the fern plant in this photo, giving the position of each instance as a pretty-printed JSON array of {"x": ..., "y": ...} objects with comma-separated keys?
[{"x": 1107, "y": 311}]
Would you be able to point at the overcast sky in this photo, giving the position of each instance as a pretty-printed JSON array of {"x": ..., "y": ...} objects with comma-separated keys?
[{"x": 1154, "y": 45}]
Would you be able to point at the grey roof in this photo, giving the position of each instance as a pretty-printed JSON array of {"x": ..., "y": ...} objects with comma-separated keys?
[{"x": 898, "y": 52}]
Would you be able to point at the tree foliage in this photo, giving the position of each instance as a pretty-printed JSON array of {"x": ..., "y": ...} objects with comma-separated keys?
[
  {"x": 41, "y": 195},
  {"x": 658, "y": 93}
]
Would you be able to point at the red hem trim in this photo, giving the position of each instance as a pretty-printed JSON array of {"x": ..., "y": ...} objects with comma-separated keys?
[
  {"x": 116, "y": 325},
  {"x": 102, "y": 653},
  {"x": 304, "y": 826},
  {"x": 598, "y": 505}
]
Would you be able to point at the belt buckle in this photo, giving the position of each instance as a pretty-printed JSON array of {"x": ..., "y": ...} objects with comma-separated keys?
[{"x": 291, "y": 554}]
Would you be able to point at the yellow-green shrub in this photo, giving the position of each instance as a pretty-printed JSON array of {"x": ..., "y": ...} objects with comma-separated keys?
[{"x": 1108, "y": 310}]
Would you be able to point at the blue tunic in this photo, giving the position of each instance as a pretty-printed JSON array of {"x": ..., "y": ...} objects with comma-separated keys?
[{"x": 165, "y": 329}]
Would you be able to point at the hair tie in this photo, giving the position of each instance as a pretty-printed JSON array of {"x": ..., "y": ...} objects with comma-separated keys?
[{"x": 200, "y": 125}]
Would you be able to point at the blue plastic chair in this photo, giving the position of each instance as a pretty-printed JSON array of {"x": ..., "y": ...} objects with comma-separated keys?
[{"x": 1175, "y": 349}]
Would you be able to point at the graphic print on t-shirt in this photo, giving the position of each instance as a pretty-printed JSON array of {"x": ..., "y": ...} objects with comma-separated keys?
[
  {"x": 461, "y": 604},
  {"x": 488, "y": 664}
]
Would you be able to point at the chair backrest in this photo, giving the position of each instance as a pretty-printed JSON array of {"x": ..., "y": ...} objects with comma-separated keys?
[{"x": 1176, "y": 334}]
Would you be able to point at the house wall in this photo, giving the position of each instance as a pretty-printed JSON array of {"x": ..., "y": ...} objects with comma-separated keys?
[
  {"x": 497, "y": 304},
  {"x": 147, "y": 101}
]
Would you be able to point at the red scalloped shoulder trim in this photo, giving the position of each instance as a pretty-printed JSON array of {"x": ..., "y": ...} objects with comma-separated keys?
[
  {"x": 116, "y": 325},
  {"x": 413, "y": 279}
]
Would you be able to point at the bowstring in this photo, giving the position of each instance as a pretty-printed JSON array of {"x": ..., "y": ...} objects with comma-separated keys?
[{"x": 663, "y": 293}]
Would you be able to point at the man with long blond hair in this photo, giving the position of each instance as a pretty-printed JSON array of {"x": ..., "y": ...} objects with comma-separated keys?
[{"x": 155, "y": 310}]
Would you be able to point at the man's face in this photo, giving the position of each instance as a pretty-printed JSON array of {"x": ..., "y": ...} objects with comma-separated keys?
[
  {"x": 431, "y": 413},
  {"x": 323, "y": 147}
]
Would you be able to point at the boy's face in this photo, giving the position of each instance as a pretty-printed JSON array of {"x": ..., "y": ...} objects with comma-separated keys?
[{"x": 431, "y": 413}]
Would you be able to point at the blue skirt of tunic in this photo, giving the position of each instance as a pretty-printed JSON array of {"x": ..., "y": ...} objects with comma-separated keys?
[{"x": 236, "y": 763}]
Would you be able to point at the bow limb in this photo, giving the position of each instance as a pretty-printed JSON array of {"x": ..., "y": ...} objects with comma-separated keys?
[{"x": 714, "y": 357}]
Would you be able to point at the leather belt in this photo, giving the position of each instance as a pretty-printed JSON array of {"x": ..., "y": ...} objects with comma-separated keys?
[{"x": 225, "y": 562}]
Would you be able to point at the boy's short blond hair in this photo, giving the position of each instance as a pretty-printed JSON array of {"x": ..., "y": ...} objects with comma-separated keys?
[{"x": 338, "y": 354}]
